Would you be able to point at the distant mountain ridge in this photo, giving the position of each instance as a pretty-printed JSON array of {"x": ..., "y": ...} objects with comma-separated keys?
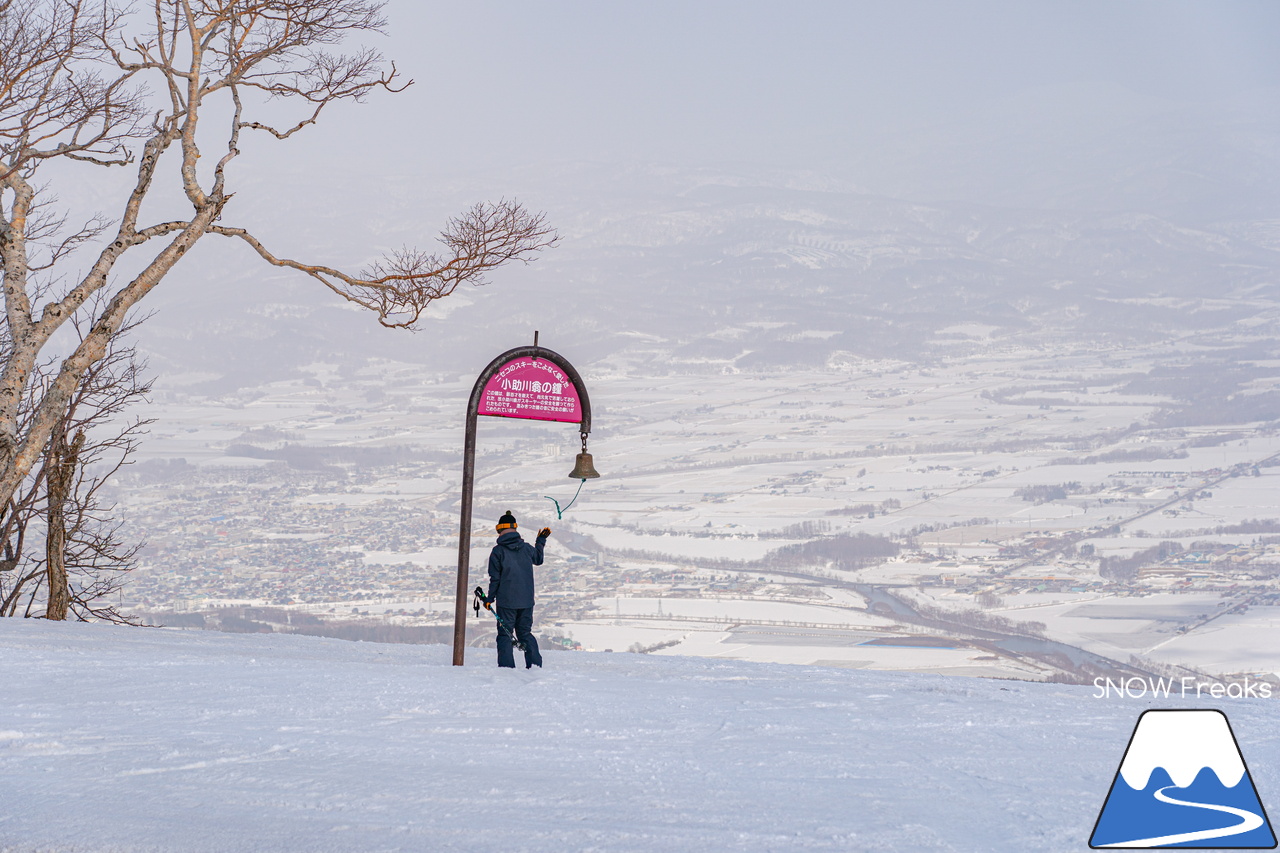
[{"x": 752, "y": 268}]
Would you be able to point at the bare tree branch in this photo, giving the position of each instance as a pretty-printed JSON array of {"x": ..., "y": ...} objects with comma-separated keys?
[
  {"x": 83, "y": 559},
  {"x": 71, "y": 89},
  {"x": 55, "y": 100},
  {"x": 401, "y": 286}
]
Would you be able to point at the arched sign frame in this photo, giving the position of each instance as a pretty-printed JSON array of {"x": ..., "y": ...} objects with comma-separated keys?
[{"x": 535, "y": 353}]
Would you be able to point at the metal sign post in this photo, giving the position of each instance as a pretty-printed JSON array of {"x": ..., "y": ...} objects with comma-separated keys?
[{"x": 530, "y": 383}]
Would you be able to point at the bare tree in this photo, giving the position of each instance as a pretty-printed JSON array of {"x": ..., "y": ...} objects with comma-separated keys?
[
  {"x": 83, "y": 561},
  {"x": 74, "y": 77},
  {"x": 62, "y": 461}
]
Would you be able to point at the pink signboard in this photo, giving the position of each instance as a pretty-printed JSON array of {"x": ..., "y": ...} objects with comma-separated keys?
[{"x": 533, "y": 390}]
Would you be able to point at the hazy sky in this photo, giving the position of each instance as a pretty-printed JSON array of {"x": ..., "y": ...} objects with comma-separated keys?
[
  {"x": 1073, "y": 107},
  {"x": 785, "y": 84}
]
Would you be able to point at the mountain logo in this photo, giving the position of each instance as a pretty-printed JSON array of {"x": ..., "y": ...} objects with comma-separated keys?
[{"x": 1183, "y": 783}]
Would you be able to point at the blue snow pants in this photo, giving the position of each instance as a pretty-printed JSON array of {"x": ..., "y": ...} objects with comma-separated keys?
[{"x": 521, "y": 621}]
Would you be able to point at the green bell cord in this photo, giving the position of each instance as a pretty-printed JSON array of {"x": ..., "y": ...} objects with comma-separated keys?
[{"x": 560, "y": 512}]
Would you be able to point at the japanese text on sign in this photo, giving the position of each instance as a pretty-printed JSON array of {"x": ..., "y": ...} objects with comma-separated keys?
[{"x": 534, "y": 390}]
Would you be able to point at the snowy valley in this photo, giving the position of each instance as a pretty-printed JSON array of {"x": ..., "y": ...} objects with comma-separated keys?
[{"x": 802, "y": 393}]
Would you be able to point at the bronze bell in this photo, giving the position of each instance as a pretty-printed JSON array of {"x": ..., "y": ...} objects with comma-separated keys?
[{"x": 584, "y": 468}]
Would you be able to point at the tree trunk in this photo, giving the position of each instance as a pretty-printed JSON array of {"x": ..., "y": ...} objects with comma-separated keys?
[{"x": 61, "y": 461}]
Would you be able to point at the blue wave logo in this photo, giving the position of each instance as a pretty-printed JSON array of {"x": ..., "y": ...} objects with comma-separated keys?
[{"x": 1183, "y": 783}]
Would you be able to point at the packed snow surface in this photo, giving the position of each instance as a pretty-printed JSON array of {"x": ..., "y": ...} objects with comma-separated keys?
[{"x": 122, "y": 739}]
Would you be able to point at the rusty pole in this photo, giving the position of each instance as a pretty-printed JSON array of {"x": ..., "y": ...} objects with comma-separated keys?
[{"x": 469, "y": 473}]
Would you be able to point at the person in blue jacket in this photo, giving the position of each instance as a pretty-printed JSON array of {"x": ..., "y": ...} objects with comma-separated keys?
[{"x": 511, "y": 589}]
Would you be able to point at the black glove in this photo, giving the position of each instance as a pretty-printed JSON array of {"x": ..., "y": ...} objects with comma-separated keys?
[{"x": 544, "y": 533}]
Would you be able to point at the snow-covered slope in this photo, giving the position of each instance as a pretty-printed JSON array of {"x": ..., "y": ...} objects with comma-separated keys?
[{"x": 116, "y": 739}]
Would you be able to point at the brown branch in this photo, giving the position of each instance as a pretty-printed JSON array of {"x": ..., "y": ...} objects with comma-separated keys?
[
  {"x": 54, "y": 101},
  {"x": 401, "y": 286},
  {"x": 68, "y": 90}
]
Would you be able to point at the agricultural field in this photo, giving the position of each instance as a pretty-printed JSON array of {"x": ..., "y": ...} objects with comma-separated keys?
[{"x": 738, "y": 512}]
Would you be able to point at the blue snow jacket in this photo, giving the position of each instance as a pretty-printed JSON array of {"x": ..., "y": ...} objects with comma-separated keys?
[{"x": 511, "y": 570}]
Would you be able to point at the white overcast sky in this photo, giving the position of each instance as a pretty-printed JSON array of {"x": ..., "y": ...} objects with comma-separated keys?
[
  {"x": 1075, "y": 105},
  {"x": 790, "y": 84}
]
